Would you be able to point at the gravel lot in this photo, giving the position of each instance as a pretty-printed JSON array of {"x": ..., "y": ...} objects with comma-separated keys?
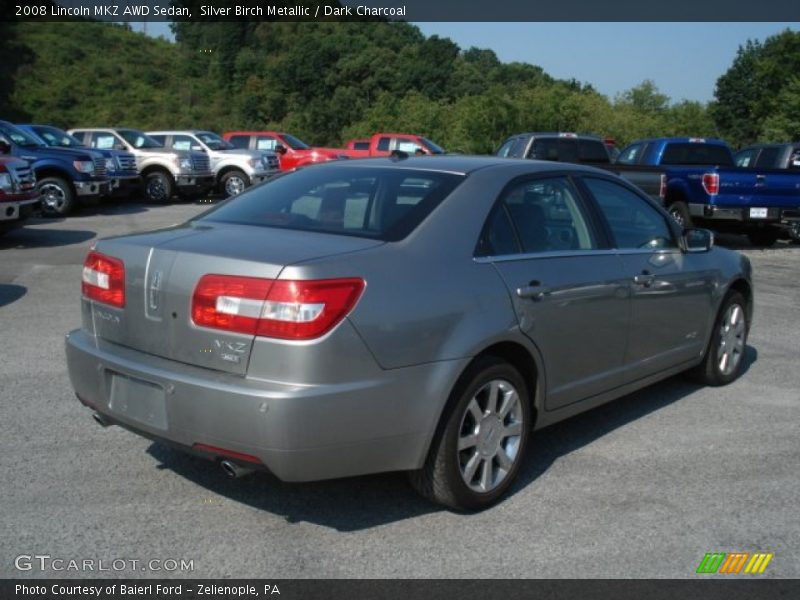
[{"x": 643, "y": 487}]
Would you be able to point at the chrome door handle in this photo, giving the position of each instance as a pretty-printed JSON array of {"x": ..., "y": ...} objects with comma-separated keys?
[
  {"x": 646, "y": 279},
  {"x": 533, "y": 290}
]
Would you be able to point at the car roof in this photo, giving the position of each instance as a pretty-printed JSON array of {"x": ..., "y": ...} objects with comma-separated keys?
[
  {"x": 463, "y": 164},
  {"x": 567, "y": 135}
]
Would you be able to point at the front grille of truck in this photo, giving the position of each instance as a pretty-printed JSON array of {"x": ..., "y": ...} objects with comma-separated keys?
[
  {"x": 272, "y": 162},
  {"x": 126, "y": 162},
  {"x": 201, "y": 163},
  {"x": 100, "y": 167},
  {"x": 25, "y": 178}
]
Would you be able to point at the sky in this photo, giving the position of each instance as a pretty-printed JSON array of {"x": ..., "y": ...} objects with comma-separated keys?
[{"x": 683, "y": 59}]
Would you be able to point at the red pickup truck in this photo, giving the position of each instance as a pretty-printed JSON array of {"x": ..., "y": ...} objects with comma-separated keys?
[
  {"x": 383, "y": 144},
  {"x": 18, "y": 195},
  {"x": 292, "y": 152}
]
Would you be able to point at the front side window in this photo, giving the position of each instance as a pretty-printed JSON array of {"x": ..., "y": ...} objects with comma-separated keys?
[
  {"x": 384, "y": 204},
  {"x": 633, "y": 222},
  {"x": 183, "y": 142},
  {"x": 383, "y": 144},
  {"x": 56, "y": 137},
  {"x": 541, "y": 215},
  {"x": 266, "y": 142},
  {"x": 745, "y": 158},
  {"x": 630, "y": 155},
  {"x": 138, "y": 139},
  {"x": 105, "y": 141}
]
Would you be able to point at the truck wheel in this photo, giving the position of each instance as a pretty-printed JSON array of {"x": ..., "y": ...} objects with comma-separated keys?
[
  {"x": 478, "y": 449},
  {"x": 58, "y": 199},
  {"x": 763, "y": 237},
  {"x": 724, "y": 358},
  {"x": 680, "y": 212},
  {"x": 234, "y": 183},
  {"x": 158, "y": 187}
]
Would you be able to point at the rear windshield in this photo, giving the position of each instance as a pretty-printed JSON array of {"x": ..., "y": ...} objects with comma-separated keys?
[
  {"x": 696, "y": 154},
  {"x": 379, "y": 203}
]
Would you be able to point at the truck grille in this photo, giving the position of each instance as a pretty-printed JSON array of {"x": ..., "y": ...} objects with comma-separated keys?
[
  {"x": 201, "y": 163},
  {"x": 25, "y": 178},
  {"x": 100, "y": 167},
  {"x": 126, "y": 162},
  {"x": 272, "y": 162}
]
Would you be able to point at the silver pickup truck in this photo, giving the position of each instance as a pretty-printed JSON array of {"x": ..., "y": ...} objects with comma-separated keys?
[
  {"x": 164, "y": 172},
  {"x": 234, "y": 169}
]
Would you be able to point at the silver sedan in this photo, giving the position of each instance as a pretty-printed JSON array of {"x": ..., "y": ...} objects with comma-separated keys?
[{"x": 419, "y": 314}]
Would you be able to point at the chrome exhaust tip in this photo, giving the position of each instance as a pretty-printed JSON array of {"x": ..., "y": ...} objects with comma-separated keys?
[{"x": 234, "y": 471}]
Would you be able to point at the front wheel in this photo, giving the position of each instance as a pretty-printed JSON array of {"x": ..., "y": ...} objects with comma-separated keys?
[
  {"x": 158, "y": 187},
  {"x": 234, "y": 183},
  {"x": 724, "y": 358},
  {"x": 477, "y": 453},
  {"x": 58, "y": 199}
]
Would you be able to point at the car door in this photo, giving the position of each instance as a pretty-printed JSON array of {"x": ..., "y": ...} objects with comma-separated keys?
[
  {"x": 670, "y": 291},
  {"x": 567, "y": 287}
]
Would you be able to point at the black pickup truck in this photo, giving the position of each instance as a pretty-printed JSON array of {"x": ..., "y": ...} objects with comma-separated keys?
[{"x": 582, "y": 149}]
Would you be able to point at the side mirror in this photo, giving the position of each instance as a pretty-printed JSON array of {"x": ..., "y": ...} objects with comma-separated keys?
[
  {"x": 5, "y": 147},
  {"x": 280, "y": 149},
  {"x": 698, "y": 240}
]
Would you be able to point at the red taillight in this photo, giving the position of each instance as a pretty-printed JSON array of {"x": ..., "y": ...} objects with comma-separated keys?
[
  {"x": 292, "y": 310},
  {"x": 103, "y": 279},
  {"x": 662, "y": 189},
  {"x": 711, "y": 183}
]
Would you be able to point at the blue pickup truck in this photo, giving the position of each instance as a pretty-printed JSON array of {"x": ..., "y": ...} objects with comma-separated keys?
[
  {"x": 63, "y": 176},
  {"x": 120, "y": 165},
  {"x": 702, "y": 186}
]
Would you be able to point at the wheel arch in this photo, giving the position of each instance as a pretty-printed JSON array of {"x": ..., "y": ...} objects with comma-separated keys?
[
  {"x": 148, "y": 170},
  {"x": 743, "y": 286},
  {"x": 52, "y": 171}
]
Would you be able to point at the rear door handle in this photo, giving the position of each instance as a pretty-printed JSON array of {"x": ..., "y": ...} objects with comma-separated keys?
[
  {"x": 646, "y": 279},
  {"x": 533, "y": 290}
]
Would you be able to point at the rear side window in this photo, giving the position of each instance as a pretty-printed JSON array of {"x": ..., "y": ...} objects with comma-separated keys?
[
  {"x": 696, "y": 154},
  {"x": 240, "y": 141},
  {"x": 633, "y": 222},
  {"x": 361, "y": 146},
  {"x": 768, "y": 159},
  {"x": 377, "y": 203},
  {"x": 541, "y": 215},
  {"x": 544, "y": 149},
  {"x": 745, "y": 158}
]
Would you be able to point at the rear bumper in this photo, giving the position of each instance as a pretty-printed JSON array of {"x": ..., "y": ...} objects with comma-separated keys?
[
  {"x": 299, "y": 432},
  {"x": 742, "y": 214}
]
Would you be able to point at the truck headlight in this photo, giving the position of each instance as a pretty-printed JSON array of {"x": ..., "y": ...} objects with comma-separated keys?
[
  {"x": 185, "y": 164},
  {"x": 84, "y": 166},
  {"x": 5, "y": 182},
  {"x": 255, "y": 163},
  {"x": 111, "y": 164}
]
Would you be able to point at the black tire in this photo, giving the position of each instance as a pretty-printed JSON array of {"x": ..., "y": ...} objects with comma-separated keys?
[
  {"x": 233, "y": 183},
  {"x": 679, "y": 211},
  {"x": 159, "y": 187},
  {"x": 58, "y": 198},
  {"x": 765, "y": 237},
  {"x": 443, "y": 478},
  {"x": 711, "y": 370}
]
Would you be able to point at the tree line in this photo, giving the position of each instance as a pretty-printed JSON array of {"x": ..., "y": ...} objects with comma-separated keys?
[{"x": 330, "y": 81}]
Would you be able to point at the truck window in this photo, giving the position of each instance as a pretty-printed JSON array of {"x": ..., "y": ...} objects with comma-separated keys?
[
  {"x": 630, "y": 155},
  {"x": 592, "y": 151},
  {"x": 679, "y": 153},
  {"x": 183, "y": 142},
  {"x": 794, "y": 159},
  {"x": 505, "y": 149},
  {"x": 361, "y": 145},
  {"x": 544, "y": 149},
  {"x": 240, "y": 141},
  {"x": 407, "y": 146},
  {"x": 266, "y": 142},
  {"x": 746, "y": 158},
  {"x": 104, "y": 141},
  {"x": 383, "y": 144},
  {"x": 161, "y": 139},
  {"x": 768, "y": 159}
]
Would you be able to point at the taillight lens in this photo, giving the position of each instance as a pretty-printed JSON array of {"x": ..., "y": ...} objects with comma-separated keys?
[
  {"x": 711, "y": 183},
  {"x": 291, "y": 310},
  {"x": 662, "y": 189},
  {"x": 103, "y": 279}
]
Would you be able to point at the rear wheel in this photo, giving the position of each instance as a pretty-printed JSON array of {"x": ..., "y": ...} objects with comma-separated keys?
[
  {"x": 58, "y": 199},
  {"x": 477, "y": 452},
  {"x": 158, "y": 187},
  {"x": 679, "y": 211},
  {"x": 763, "y": 237},
  {"x": 724, "y": 358},
  {"x": 234, "y": 183}
]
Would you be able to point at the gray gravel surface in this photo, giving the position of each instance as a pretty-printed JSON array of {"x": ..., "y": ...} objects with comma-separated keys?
[{"x": 642, "y": 487}]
